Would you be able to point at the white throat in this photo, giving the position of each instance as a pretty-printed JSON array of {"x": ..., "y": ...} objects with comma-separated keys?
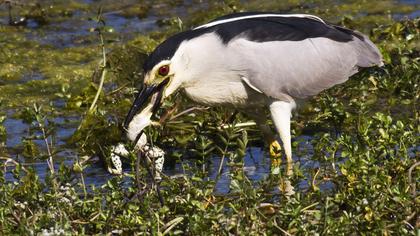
[{"x": 139, "y": 122}]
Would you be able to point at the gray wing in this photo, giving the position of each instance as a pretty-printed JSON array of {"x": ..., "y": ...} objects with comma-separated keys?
[{"x": 298, "y": 69}]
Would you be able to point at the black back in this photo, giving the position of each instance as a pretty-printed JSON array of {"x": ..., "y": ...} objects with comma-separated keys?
[{"x": 261, "y": 29}]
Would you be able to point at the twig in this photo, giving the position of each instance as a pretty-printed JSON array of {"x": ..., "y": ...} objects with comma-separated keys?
[
  {"x": 82, "y": 177},
  {"x": 308, "y": 207},
  {"x": 138, "y": 182},
  {"x": 146, "y": 162},
  {"x": 314, "y": 179},
  {"x": 219, "y": 170},
  {"x": 171, "y": 224},
  {"x": 7, "y": 160},
  {"x": 103, "y": 66},
  {"x": 240, "y": 125},
  {"x": 166, "y": 115},
  {"x": 103, "y": 74},
  {"x": 410, "y": 179},
  {"x": 118, "y": 89},
  {"x": 140, "y": 186},
  {"x": 188, "y": 111},
  {"x": 50, "y": 161},
  {"x": 40, "y": 122}
]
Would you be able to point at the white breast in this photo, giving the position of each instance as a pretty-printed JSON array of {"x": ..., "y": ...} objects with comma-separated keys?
[
  {"x": 212, "y": 74},
  {"x": 217, "y": 92}
]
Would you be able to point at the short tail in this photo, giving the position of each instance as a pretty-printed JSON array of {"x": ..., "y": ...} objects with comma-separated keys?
[{"x": 368, "y": 54}]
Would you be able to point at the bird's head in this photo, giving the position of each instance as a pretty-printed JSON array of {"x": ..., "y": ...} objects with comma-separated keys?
[
  {"x": 166, "y": 70},
  {"x": 157, "y": 86}
]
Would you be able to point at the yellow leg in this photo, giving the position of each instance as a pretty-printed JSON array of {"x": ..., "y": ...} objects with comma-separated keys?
[
  {"x": 289, "y": 168},
  {"x": 285, "y": 185},
  {"x": 275, "y": 154},
  {"x": 275, "y": 149}
]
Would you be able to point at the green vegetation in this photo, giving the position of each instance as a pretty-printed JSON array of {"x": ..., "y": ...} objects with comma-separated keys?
[{"x": 365, "y": 133}]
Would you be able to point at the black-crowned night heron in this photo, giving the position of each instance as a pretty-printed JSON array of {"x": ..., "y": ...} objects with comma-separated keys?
[{"x": 252, "y": 61}]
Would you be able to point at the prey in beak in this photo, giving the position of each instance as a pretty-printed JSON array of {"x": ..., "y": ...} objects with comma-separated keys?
[{"x": 135, "y": 123}]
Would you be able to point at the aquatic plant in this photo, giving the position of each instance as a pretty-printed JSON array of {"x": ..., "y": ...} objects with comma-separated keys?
[{"x": 357, "y": 145}]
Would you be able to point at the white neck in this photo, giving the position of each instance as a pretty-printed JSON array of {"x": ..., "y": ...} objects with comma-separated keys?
[{"x": 139, "y": 122}]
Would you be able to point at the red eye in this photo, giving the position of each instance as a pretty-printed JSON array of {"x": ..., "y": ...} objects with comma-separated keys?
[{"x": 163, "y": 70}]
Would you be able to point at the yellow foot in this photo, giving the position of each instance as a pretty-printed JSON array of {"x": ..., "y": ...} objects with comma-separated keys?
[
  {"x": 275, "y": 154},
  {"x": 275, "y": 149}
]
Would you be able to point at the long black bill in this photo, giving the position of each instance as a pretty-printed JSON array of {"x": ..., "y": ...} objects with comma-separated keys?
[{"x": 142, "y": 98}]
